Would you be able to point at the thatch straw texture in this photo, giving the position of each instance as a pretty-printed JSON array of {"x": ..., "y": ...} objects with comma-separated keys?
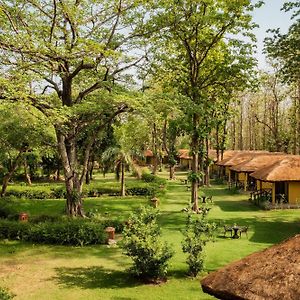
[
  {"x": 287, "y": 169},
  {"x": 240, "y": 157},
  {"x": 272, "y": 274},
  {"x": 258, "y": 162}
]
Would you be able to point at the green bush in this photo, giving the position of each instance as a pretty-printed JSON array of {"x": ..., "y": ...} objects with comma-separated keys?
[
  {"x": 30, "y": 192},
  {"x": 14, "y": 230},
  {"x": 147, "y": 177},
  {"x": 71, "y": 232},
  {"x": 197, "y": 233},
  {"x": 59, "y": 192},
  {"x": 5, "y": 294},
  {"x": 142, "y": 243},
  {"x": 150, "y": 188},
  {"x": 7, "y": 209},
  {"x": 45, "y": 218}
]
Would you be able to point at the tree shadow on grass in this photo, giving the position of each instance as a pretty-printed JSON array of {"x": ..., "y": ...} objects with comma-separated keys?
[
  {"x": 94, "y": 277},
  {"x": 270, "y": 230},
  {"x": 236, "y": 206},
  {"x": 178, "y": 274}
]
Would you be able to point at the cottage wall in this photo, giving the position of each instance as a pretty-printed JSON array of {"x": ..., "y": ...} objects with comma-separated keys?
[
  {"x": 294, "y": 192},
  {"x": 241, "y": 176},
  {"x": 261, "y": 185}
]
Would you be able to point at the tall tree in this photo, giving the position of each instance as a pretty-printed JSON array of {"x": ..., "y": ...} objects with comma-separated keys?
[
  {"x": 193, "y": 49},
  {"x": 71, "y": 54},
  {"x": 22, "y": 129},
  {"x": 283, "y": 49}
]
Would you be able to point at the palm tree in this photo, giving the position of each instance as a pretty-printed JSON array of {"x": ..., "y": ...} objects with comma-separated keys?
[{"x": 120, "y": 159}]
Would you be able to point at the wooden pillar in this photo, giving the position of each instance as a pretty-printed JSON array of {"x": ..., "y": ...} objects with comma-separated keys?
[
  {"x": 273, "y": 193},
  {"x": 246, "y": 182}
]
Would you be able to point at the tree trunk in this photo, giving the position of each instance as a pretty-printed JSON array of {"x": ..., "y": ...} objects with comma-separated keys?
[
  {"x": 122, "y": 179},
  {"x": 26, "y": 173},
  {"x": 172, "y": 172},
  {"x": 206, "y": 164},
  {"x": 58, "y": 170},
  {"x": 8, "y": 176},
  {"x": 241, "y": 146},
  {"x": 73, "y": 181},
  {"x": 218, "y": 141},
  {"x": 155, "y": 164},
  {"x": 195, "y": 163},
  {"x": 91, "y": 170},
  {"x": 87, "y": 178}
]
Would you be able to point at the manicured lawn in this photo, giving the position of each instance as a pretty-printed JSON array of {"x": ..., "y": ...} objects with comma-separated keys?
[{"x": 99, "y": 272}]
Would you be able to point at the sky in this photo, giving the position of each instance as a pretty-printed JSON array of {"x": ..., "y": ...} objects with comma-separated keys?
[{"x": 269, "y": 16}]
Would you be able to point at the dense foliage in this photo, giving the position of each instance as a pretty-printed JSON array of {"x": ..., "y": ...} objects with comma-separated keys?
[
  {"x": 143, "y": 245},
  {"x": 70, "y": 232},
  {"x": 197, "y": 233},
  {"x": 5, "y": 294}
]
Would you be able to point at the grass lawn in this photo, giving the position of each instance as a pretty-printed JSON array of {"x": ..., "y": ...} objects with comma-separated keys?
[{"x": 99, "y": 272}]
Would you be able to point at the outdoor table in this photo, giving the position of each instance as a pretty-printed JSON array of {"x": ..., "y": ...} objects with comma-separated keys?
[{"x": 235, "y": 232}]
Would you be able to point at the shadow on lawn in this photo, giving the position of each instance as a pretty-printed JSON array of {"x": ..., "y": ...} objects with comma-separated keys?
[
  {"x": 263, "y": 230},
  {"x": 236, "y": 206},
  {"x": 94, "y": 278}
]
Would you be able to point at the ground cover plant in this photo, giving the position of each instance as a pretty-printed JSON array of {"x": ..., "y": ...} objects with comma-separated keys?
[{"x": 32, "y": 271}]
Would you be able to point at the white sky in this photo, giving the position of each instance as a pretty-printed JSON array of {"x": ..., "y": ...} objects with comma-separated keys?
[{"x": 269, "y": 16}]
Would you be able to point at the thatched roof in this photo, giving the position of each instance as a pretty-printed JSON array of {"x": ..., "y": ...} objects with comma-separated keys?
[
  {"x": 257, "y": 162},
  {"x": 287, "y": 169},
  {"x": 240, "y": 157},
  {"x": 273, "y": 274},
  {"x": 185, "y": 154},
  {"x": 148, "y": 153}
]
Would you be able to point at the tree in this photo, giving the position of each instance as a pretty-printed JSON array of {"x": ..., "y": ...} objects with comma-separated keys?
[
  {"x": 68, "y": 57},
  {"x": 23, "y": 130},
  {"x": 162, "y": 112},
  {"x": 283, "y": 49},
  {"x": 197, "y": 54}
]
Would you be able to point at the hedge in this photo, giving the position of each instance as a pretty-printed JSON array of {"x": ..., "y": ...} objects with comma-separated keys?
[
  {"x": 70, "y": 232},
  {"x": 153, "y": 186}
]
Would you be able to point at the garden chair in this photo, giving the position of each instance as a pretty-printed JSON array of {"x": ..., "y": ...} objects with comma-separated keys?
[
  {"x": 209, "y": 199},
  {"x": 244, "y": 229},
  {"x": 227, "y": 229}
]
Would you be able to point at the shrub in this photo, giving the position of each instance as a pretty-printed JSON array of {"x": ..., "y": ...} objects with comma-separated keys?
[
  {"x": 197, "y": 233},
  {"x": 136, "y": 188},
  {"x": 147, "y": 177},
  {"x": 14, "y": 230},
  {"x": 142, "y": 243},
  {"x": 30, "y": 192},
  {"x": 71, "y": 232},
  {"x": 59, "y": 192},
  {"x": 5, "y": 294},
  {"x": 45, "y": 218},
  {"x": 7, "y": 209}
]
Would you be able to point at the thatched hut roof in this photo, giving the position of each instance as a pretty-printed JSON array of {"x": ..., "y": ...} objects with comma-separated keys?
[
  {"x": 257, "y": 162},
  {"x": 185, "y": 154},
  {"x": 287, "y": 169},
  {"x": 148, "y": 153},
  {"x": 240, "y": 157},
  {"x": 273, "y": 273}
]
